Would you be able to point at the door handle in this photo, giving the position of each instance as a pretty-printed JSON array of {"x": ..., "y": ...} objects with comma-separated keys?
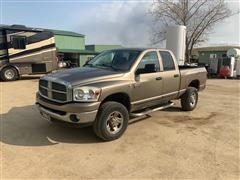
[
  {"x": 176, "y": 75},
  {"x": 159, "y": 78}
]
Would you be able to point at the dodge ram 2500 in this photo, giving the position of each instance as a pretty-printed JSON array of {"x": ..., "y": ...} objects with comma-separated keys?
[{"x": 117, "y": 85}]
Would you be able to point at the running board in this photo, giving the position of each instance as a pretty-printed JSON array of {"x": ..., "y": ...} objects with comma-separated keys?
[{"x": 152, "y": 110}]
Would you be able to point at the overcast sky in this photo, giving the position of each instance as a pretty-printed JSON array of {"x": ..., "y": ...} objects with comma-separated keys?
[{"x": 103, "y": 21}]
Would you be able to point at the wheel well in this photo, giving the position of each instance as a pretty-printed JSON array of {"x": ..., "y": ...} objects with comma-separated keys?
[
  {"x": 194, "y": 83},
  {"x": 122, "y": 98}
]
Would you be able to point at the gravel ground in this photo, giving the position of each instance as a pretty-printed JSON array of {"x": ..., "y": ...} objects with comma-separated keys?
[{"x": 171, "y": 144}]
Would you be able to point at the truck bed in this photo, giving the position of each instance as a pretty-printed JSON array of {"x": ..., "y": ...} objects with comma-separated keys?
[{"x": 192, "y": 73}]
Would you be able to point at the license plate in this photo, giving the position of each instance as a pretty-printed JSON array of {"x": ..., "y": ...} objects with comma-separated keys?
[{"x": 45, "y": 116}]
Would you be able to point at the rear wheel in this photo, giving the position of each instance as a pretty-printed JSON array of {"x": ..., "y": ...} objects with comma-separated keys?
[
  {"x": 189, "y": 99},
  {"x": 9, "y": 74},
  {"x": 111, "y": 121}
]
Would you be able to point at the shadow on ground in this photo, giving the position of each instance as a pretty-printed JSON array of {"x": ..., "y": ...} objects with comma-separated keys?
[
  {"x": 24, "y": 126},
  {"x": 173, "y": 109}
]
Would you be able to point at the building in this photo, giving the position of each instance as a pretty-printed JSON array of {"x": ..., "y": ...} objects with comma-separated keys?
[
  {"x": 71, "y": 46},
  {"x": 204, "y": 54},
  {"x": 100, "y": 48}
]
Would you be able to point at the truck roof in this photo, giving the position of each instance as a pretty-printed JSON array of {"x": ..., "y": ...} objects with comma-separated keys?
[{"x": 139, "y": 49}]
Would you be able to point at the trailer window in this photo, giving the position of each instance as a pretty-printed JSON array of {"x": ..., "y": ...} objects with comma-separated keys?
[
  {"x": 167, "y": 60},
  {"x": 19, "y": 42}
]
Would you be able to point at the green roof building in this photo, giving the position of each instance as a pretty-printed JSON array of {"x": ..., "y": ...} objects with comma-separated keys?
[
  {"x": 71, "y": 46},
  {"x": 100, "y": 48}
]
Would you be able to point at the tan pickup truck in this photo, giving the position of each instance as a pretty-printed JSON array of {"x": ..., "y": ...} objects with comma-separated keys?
[{"x": 116, "y": 86}]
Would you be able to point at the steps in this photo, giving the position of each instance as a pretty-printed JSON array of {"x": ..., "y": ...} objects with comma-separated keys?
[{"x": 149, "y": 110}]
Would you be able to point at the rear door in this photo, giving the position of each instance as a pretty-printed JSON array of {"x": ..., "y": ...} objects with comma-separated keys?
[{"x": 170, "y": 76}]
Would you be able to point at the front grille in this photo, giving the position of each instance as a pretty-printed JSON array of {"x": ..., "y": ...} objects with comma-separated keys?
[
  {"x": 43, "y": 82},
  {"x": 59, "y": 87},
  {"x": 43, "y": 91},
  {"x": 59, "y": 96},
  {"x": 53, "y": 90}
]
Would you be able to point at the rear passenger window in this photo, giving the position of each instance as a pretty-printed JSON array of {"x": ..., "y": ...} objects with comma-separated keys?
[{"x": 167, "y": 60}]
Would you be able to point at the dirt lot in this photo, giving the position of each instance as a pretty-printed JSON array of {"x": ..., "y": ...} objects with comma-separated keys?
[{"x": 203, "y": 144}]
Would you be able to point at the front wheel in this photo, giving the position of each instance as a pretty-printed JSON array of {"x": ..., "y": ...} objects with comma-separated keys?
[
  {"x": 189, "y": 99},
  {"x": 9, "y": 74},
  {"x": 111, "y": 121}
]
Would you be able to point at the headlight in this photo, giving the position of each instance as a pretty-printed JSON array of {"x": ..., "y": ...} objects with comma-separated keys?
[{"x": 86, "y": 94}]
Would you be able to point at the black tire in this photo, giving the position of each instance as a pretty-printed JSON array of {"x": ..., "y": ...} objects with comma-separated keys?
[
  {"x": 9, "y": 74},
  {"x": 103, "y": 124},
  {"x": 189, "y": 99}
]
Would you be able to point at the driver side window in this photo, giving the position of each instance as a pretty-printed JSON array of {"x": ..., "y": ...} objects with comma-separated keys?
[{"x": 149, "y": 63}]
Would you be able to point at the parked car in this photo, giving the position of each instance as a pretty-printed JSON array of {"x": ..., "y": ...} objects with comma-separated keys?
[{"x": 117, "y": 85}]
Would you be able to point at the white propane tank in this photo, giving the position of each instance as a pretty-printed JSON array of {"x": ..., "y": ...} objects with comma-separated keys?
[
  {"x": 176, "y": 42},
  {"x": 234, "y": 54},
  {"x": 232, "y": 64}
]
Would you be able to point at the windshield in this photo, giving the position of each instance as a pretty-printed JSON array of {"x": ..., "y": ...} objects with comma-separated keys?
[{"x": 115, "y": 59}]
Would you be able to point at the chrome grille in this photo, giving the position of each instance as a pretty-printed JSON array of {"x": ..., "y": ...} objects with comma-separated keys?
[{"x": 54, "y": 91}]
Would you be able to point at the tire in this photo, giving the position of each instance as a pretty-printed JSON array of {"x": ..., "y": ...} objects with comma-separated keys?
[
  {"x": 189, "y": 99},
  {"x": 111, "y": 122},
  {"x": 9, "y": 74}
]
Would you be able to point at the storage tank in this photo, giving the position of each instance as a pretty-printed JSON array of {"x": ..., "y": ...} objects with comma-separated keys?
[
  {"x": 176, "y": 42},
  {"x": 233, "y": 52}
]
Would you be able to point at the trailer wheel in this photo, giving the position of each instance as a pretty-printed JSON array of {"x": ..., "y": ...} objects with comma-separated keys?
[
  {"x": 189, "y": 99},
  {"x": 111, "y": 121},
  {"x": 9, "y": 74}
]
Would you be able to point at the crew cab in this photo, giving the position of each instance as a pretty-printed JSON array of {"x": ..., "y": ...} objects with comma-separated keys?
[{"x": 118, "y": 85}]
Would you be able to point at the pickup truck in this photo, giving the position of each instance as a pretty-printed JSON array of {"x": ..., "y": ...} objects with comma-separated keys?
[{"x": 118, "y": 85}]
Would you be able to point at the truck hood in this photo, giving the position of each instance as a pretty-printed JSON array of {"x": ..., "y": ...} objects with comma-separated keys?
[{"x": 78, "y": 76}]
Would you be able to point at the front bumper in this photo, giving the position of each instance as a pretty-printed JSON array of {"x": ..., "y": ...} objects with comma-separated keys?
[{"x": 78, "y": 113}]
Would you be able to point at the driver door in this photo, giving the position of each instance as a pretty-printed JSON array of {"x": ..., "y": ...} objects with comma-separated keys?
[{"x": 147, "y": 88}]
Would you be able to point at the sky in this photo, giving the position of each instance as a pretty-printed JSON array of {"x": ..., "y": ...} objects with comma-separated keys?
[{"x": 124, "y": 22}]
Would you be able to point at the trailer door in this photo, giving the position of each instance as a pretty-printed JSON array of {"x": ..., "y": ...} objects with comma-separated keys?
[{"x": 3, "y": 46}]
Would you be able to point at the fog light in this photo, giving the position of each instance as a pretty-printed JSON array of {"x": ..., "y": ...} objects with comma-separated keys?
[{"x": 74, "y": 118}]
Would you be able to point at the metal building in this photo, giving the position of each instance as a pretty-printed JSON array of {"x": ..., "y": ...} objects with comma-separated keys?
[{"x": 208, "y": 53}]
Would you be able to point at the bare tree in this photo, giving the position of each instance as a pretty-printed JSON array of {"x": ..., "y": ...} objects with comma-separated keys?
[{"x": 199, "y": 16}]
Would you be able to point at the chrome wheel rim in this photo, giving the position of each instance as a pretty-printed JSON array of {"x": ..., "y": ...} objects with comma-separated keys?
[
  {"x": 9, "y": 74},
  {"x": 193, "y": 99},
  {"x": 114, "y": 122}
]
